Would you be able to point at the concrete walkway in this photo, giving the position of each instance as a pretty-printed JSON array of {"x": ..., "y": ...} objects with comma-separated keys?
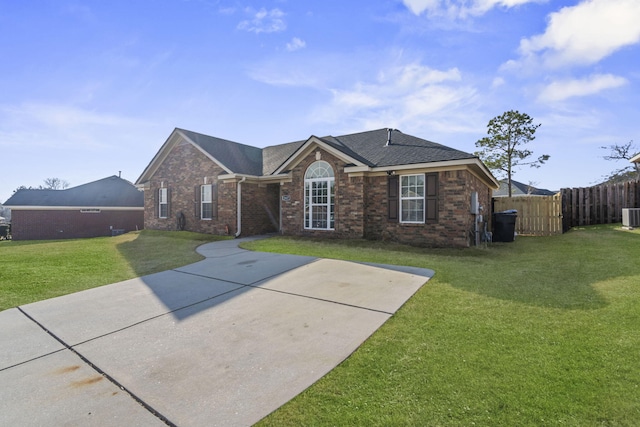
[{"x": 224, "y": 341}]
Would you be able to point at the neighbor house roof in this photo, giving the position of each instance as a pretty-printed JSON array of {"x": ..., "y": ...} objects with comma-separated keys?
[
  {"x": 110, "y": 192},
  {"x": 382, "y": 148},
  {"x": 520, "y": 189},
  {"x": 635, "y": 159}
]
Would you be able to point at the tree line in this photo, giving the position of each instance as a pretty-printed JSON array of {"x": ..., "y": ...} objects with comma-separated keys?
[{"x": 49, "y": 184}]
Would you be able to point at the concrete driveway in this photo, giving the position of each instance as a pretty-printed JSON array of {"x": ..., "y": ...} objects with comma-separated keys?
[{"x": 224, "y": 341}]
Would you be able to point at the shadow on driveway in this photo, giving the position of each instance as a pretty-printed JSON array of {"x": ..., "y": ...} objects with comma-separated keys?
[{"x": 224, "y": 341}]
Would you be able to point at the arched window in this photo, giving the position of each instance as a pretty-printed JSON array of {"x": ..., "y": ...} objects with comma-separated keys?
[{"x": 319, "y": 191}]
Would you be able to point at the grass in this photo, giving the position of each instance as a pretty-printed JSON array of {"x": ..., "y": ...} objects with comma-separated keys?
[
  {"x": 36, "y": 270},
  {"x": 541, "y": 331}
]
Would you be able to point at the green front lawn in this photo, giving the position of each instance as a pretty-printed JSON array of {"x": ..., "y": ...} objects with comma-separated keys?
[
  {"x": 541, "y": 331},
  {"x": 36, "y": 270}
]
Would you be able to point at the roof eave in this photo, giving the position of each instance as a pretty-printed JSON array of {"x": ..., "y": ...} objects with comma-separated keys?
[
  {"x": 473, "y": 163},
  {"x": 261, "y": 179}
]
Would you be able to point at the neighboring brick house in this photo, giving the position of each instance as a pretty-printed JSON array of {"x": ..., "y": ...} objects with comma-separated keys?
[
  {"x": 380, "y": 184},
  {"x": 100, "y": 208}
]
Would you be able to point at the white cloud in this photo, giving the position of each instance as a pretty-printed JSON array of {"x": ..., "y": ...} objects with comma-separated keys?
[
  {"x": 272, "y": 74},
  {"x": 296, "y": 44},
  {"x": 497, "y": 82},
  {"x": 461, "y": 8},
  {"x": 584, "y": 34},
  {"x": 307, "y": 71},
  {"x": 418, "y": 6},
  {"x": 54, "y": 125},
  {"x": 264, "y": 21},
  {"x": 564, "y": 89},
  {"x": 227, "y": 10},
  {"x": 406, "y": 96}
]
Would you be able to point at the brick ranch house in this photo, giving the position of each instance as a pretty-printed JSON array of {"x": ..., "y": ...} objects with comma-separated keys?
[
  {"x": 90, "y": 210},
  {"x": 381, "y": 184}
]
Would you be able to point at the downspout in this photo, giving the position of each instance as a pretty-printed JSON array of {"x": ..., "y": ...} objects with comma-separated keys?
[
  {"x": 239, "y": 207},
  {"x": 280, "y": 207}
]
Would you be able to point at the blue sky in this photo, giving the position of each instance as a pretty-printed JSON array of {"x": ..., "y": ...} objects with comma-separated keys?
[{"x": 90, "y": 88}]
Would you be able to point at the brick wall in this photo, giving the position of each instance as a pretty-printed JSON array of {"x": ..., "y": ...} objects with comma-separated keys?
[
  {"x": 360, "y": 203},
  {"x": 183, "y": 172},
  {"x": 71, "y": 224},
  {"x": 349, "y": 201},
  {"x": 455, "y": 222},
  {"x": 361, "y": 207},
  {"x": 260, "y": 211}
]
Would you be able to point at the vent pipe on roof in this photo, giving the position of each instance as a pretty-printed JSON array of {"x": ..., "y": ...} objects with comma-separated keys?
[{"x": 389, "y": 130}]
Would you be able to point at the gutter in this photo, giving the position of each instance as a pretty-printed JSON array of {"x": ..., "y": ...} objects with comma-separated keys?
[{"x": 239, "y": 207}]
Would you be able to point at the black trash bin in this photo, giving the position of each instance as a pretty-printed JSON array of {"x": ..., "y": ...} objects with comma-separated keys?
[
  {"x": 504, "y": 225},
  {"x": 4, "y": 231}
]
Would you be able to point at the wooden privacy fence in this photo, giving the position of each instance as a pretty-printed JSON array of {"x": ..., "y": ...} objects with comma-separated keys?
[
  {"x": 537, "y": 215},
  {"x": 601, "y": 204}
]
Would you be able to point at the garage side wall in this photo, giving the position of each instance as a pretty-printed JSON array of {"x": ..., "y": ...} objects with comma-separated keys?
[{"x": 72, "y": 223}]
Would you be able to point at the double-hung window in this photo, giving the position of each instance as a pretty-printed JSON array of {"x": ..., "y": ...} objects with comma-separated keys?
[
  {"x": 412, "y": 202},
  {"x": 319, "y": 193},
  {"x": 163, "y": 203},
  {"x": 206, "y": 202},
  {"x": 413, "y": 199}
]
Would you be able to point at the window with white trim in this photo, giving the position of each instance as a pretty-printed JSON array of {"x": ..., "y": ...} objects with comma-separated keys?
[
  {"x": 206, "y": 201},
  {"x": 319, "y": 193},
  {"x": 412, "y": 198},
  {"x": 162, "y": 203}
]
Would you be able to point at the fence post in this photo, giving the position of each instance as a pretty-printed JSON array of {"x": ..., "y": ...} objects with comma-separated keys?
[{"x": 609, "y": 207}]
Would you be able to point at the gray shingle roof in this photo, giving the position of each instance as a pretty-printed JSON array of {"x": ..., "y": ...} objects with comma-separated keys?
[
  {"x": 238, "y": 158},
  {"x": 107, "y": 192},
  {"x": 403, "y": 150},
  {"x": 274, "y": 156},
  {"x": 371, "y": 149}
]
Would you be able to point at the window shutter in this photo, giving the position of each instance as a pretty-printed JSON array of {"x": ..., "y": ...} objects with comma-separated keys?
[
  {"x": 431, "y": 197},
  {"x": 214, "y": 201},
  {"x": 168, "y": 202},
  {"x": 393, "y": 202},
  {"x": 156, "y": 206},
  {"x": 196, "y": 204}
]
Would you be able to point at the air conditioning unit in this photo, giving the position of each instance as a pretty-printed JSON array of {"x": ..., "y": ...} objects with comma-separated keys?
[{"x": 631, "y": 217}]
